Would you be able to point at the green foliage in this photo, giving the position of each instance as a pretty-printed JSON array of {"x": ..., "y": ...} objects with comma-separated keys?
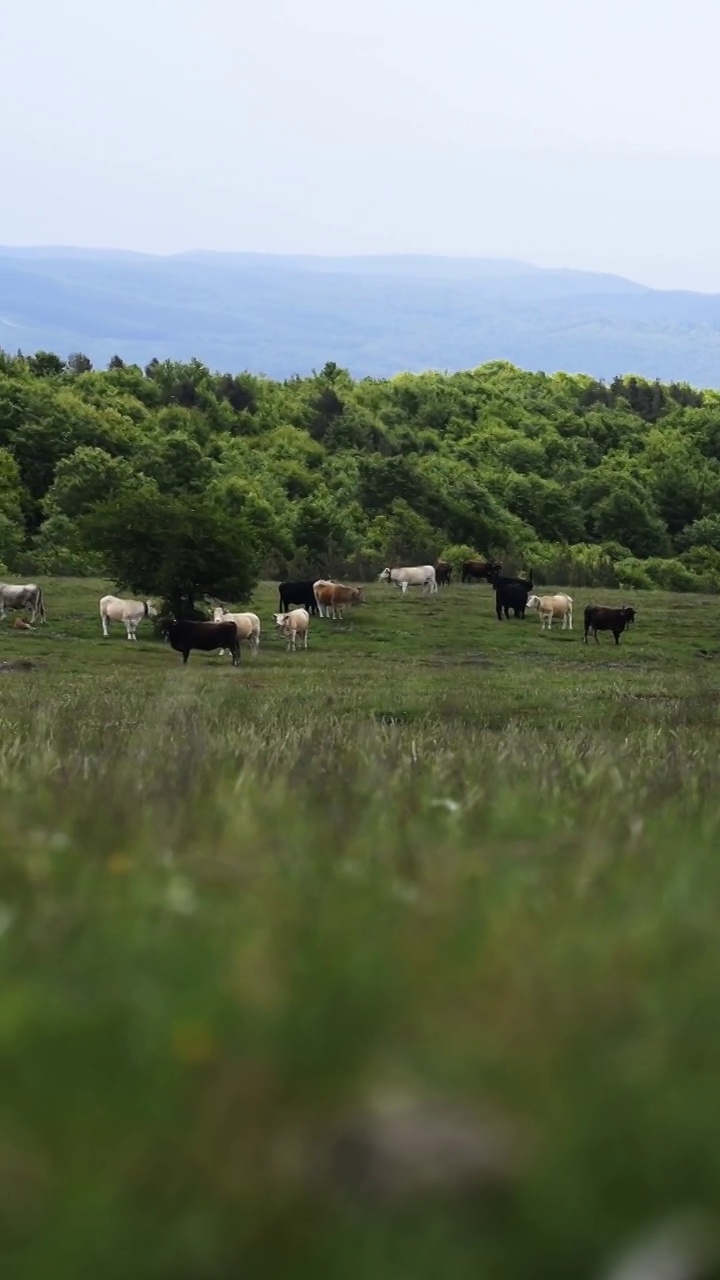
[
  {"x": 183, "y": 550},
  {"x": 334, "y": 475}
]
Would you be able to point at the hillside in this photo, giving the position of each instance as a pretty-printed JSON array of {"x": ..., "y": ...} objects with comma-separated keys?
[
  {"x": 375, "y": 316},
  {"x": 588, "y": 483}
]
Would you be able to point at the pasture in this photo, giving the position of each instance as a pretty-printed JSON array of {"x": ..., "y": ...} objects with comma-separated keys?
[{"x": 435, "y": 861}]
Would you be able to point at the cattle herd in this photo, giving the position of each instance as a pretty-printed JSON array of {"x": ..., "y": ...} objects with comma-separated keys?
[{"x": 321, "y": 597}]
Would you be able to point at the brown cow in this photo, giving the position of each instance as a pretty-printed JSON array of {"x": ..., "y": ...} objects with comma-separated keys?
[
  {"x": 476, "y": 570},
  {"x": 332, "y": 598},
  {"x": 443, "y": 573},
  {"x": 602, "y": 617}
]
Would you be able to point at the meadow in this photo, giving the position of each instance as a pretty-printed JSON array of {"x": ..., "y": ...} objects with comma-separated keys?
[{"x": 395, "y": 958}]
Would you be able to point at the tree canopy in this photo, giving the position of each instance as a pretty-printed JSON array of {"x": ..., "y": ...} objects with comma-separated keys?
[{"x": 583, "y": 481}]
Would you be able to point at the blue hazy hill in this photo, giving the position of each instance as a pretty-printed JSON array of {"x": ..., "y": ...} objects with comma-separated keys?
[{"x": 282, "y": 315}]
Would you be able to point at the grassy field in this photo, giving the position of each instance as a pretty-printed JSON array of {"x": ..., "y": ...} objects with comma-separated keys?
[{"x": 389, "y": 960}]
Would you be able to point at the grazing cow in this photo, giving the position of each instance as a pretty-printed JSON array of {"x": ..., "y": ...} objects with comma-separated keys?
[
  {"x": 332, "y": 598},
  {"x": 205, "y": 636},
  {"x": 297, "y": 594},
  {"x": 248, "y": 627},
  {"x": 28, "y": 596},
  {"x": 443, "y": 573},
  {"x": 476, "y": 570},
  {"x": 293, "y": 624},
  {"x": 549, "y": 607},
  {"x": 422, "y": 575},
  {"x": 603, "y": 617},
  {"x": 131, "y": 612}
]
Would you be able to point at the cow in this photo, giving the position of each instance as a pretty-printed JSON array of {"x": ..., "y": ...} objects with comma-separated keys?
[
  {"x": 248, "y": 627},
  {"x": 549, "y": 607},
  {"x": 293, "y": 624},
  {"x": 476, "y": 570},
  {"x": 29, "y": 596},
  {"x": 511, "y": 595},
  {"x": 443, "y": 573},
  {"x": 422, "y": 575},
  {"x": 131, "y": 612},
  {"x": 332, "y": 598},
  {"x": 321, "y": 582},
  {"x": 603, "y": 617},
  {"x": 205, "y": 636},
  {"x": 298, "y": 595}
]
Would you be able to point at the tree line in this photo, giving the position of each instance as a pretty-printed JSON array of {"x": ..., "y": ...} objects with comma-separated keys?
[{"x": 186, "y": 483}]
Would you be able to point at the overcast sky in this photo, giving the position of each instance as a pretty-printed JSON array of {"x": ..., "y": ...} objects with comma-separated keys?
[{"x": 566, "y": 132}]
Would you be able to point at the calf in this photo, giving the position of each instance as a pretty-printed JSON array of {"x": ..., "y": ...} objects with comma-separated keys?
[
  {"x": 294, "y": 624},
  {"x": 549, "y": 607},
  {"x": 248, "y": 627},
  {"x": 205, "y": 636},
  {"x": 443, "y": 573},
  {"x": 602, "y": 617},
  {"x": 476, "y": 570},
  {"x": 299, "y": 595}
]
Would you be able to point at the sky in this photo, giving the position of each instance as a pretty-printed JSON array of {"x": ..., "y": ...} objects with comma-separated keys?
[{"x": 563, "y": 132}]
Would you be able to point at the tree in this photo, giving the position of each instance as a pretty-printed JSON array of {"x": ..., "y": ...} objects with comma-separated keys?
[
  {"x": 116, "y": 363},
  {"x": 87, "y": 477},
  {"x": 182, "y": 550},
  {"x": 79, "y": 363},
  {"x": 46, "y": 364}
]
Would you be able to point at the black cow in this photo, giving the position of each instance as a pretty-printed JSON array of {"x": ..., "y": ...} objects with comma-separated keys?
[
  {"x": 443, "y": 573},
  {"x": 603, "y": 617},
  {"x": 476, "y": 570},
  {"x": 297, "y": 595},
  {"x": 511, "y": 595},
  {"x": 206, "y": 636}
]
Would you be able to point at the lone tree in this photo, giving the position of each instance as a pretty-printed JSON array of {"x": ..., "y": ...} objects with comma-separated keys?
[{"x": 181, "y": 550}]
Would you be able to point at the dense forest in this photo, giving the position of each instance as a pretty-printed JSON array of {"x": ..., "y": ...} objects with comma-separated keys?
[{"x": 585, "y": 482}]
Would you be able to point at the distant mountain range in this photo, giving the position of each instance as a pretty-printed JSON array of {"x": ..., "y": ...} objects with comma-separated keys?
[{"x": 373, "y": 315}]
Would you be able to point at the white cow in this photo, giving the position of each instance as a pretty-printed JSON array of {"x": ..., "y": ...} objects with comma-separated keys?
[
  {"x": 422, "y": 575},
  {"x": 131, "y": 612},
  {"x": 549, "y": 607},
  {"x": 22, "y": 597},
  {"x": 248, "y": 627},
  {"x": 293, "y": 624}
]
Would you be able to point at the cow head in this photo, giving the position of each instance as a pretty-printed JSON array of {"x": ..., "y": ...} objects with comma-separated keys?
[
  {"x": 280, "y": 619},
  {"x": 628, "y": 614},
  {"x": 151, "y": 610},
  {"x": 218, "y": 614},
  {"x": 385, "y": 575},
  {"x": 533, "y": 602}
]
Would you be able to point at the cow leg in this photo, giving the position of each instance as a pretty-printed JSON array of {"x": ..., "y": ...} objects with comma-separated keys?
[
  {"x": 617, "y": 636},
  {"x": 106, "y": 633},
  {"x": 596, "y": 636},
  {"x": 570, "y": 625},
  {"x": 186, "y": 655}
]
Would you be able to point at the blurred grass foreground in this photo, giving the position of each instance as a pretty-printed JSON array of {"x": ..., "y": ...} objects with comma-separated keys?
[{"x": 351, "y": 966}]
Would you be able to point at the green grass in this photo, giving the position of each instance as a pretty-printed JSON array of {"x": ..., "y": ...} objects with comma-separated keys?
[{"x": 436, "y": 856}]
